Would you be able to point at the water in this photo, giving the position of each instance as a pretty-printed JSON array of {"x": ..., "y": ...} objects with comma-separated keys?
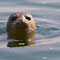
[{"x": 47, "y": 19}]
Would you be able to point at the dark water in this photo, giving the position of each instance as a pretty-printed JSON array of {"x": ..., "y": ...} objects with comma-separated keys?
[{"x": 47, "y": 19}]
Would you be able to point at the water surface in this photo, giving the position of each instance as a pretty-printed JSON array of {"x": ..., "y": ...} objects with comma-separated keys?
[{"x": 47, "y": 37}]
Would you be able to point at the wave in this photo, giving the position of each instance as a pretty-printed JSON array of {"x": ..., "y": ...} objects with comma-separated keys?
[
  {"x": 26, "y": 8},
  {"x": 48, "y": 41},
  {"x": 3, "y": 21}
]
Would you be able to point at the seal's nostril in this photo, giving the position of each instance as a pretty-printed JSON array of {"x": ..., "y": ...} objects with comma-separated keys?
[{"x": 21, "y": 20}]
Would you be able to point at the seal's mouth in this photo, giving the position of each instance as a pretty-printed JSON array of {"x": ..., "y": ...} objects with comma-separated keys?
[{"x": 22, "y": 25}]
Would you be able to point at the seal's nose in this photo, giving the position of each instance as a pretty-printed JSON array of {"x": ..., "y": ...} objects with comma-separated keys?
[{"x": 21, "y": 21}]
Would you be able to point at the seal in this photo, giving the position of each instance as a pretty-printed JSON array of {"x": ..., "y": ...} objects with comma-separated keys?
[{"x": 21, "y": 26}]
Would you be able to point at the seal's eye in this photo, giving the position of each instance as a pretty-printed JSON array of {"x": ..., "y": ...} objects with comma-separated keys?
[
  {"x": 28, "y": 18},
  {"x": 14, "y": 18}
]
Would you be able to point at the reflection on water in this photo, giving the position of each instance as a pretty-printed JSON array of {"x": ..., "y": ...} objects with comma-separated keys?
[
  {"x": 23, "y": 39},
  {"x": 20, "y": 43}
]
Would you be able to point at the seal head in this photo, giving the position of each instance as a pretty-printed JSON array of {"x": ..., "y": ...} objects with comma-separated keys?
[{"x": 21, "y": 26}]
